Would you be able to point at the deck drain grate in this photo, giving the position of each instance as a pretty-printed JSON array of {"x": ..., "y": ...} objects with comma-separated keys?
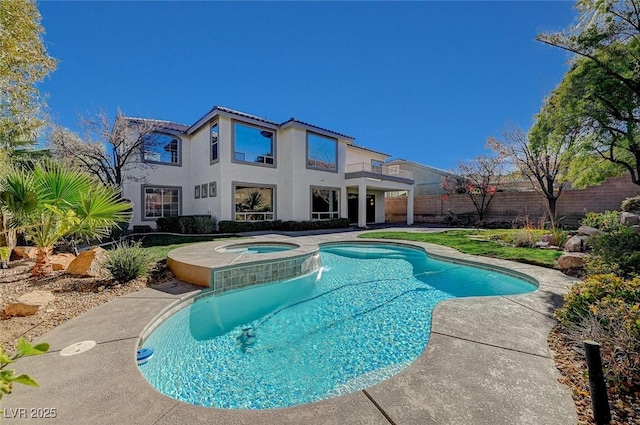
[{"x": 77, "y": 348}]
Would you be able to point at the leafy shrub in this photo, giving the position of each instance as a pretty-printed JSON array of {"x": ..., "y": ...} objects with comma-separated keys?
[
  {"x": 559, "y": 237},
  {"x": 119, "y": 230},
  {"x": 606, "y": 221},
  {"x": 616, "y": 326},
  {"x": 202, "y": 224},
  {"x": 8, "y": 376},
  {"x": 5, "y": 253},
  {"x": 129, "y": 261},
  {"x": 168, "y": 224},
  {"x": 524, "y": 238},
  {"x": 583, "y": 295},
  {"x": 606, "y": 309},
  {"x": 186, "y": 224},
  {"x": 616, "y": 251},
  {"x": 631, "y": 204},
  {"x": 226, "y": 226}
]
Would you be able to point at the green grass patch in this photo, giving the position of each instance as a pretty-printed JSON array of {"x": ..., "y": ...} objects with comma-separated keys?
[
  {"x": 476, "y": 242},
  {"x": 160, "y": 245}
]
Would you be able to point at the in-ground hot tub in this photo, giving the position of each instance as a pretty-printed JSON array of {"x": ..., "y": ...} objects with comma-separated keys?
[{"x": 257, "y": 247}]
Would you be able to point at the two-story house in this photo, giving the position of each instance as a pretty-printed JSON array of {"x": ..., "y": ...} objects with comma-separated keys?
[{"x": 236, "y": 166}]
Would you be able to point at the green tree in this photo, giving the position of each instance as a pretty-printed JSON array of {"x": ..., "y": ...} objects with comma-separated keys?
[
  {"x": 25, "y": 62},
  {"x": 53, "y": 201},
  {"x": 601, "y": 91}
]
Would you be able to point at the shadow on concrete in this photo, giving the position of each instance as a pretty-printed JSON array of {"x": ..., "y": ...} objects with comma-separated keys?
[{"x": 176, "y": 287}]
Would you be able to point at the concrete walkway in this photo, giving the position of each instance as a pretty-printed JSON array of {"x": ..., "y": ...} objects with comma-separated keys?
[{"x": 487, "y": 362}]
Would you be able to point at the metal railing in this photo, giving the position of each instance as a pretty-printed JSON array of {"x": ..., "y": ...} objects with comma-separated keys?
[{"x": 382, "y": 170}]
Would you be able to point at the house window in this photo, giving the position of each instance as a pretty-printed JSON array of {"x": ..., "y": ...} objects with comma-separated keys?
[
  {"x": 214, "y": 143},
  {"x": 325, "y": 203},
  {"x": 322, "y": 152},
  {"x": 196, "y": 192},
  {"x": 161, "y": 148},
  {"x": 376, "y": 166},
  {"x": 213, "y": 189},
  {"x": 254, "y": 203},
  {"x": 203, "y": 190},
  {"x": 252, "y": 144},
  {"x": 161, "y": 202}
]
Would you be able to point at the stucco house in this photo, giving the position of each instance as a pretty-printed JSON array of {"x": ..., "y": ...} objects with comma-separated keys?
[
  {"x": 236, "y": 166},
  {"x": 427, "y": 180}
]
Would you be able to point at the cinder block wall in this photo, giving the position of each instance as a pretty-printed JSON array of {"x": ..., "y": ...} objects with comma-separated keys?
[{"x": 511, "y": 206}]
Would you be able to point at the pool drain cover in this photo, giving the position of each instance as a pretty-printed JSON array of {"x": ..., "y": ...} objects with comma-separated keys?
[{"x": 77, "y": 348}]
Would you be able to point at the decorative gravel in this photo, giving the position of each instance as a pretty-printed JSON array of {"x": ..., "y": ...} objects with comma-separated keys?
[
  {"x": 74, "y": 296},
  {"x": 625, "y": 406}
]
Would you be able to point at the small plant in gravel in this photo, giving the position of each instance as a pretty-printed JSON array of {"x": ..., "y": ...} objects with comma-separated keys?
[
  {"x": 128, "y": 261},
  {"x": 8, "y": 376}
]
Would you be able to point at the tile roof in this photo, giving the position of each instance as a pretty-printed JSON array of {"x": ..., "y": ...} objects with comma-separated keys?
[
  {"x": 316, "y": 127},
  {"x": 188, "y": 129},
  {"x": 437, "y": 170},
  {"x": 364, "y": 148},
  {"x": 162, "y": 124}
]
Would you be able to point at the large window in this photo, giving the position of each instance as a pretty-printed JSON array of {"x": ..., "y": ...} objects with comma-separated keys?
[
  {"x": 253, "y": 144},
  {"x": 214, "y": 142},
  {"x": 322, "y": 152},
  {"x": 254, "y": 203},
  {"x": 325, "y": 203},
  {"x": 161, "y": 148},
  {"x": 161, "y": 202}
]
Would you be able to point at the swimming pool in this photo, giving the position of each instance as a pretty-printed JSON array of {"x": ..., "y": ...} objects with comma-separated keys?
[{"x": 363, "y": 317}]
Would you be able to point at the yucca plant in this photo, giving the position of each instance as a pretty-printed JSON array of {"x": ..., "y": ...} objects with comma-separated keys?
[{"x": 51, "y": 202}]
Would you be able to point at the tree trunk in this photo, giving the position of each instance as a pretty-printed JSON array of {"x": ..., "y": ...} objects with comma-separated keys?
[
  {"x": 42, "y": 266},
  {"x": 7, "y": 235},
  {"x": 551, "y": 208}
]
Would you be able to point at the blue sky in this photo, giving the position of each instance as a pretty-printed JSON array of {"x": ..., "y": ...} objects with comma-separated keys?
[{"x": 425, "y": 81}]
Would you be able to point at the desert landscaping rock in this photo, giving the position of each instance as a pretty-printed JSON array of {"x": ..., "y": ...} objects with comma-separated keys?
[
  {"x": 89, "y": 263},
  {"x": 629, "y": 219},
  {"x": 571, "y": 261},
  {"x": 61, "y": 262},
  {"x": 23, "y": 253},
  {"x": 576, "y": 243},
  {"x": 588, "y": 231},
  {"x": 29, "y": 304},
  {"x": 20, "y": 310}
]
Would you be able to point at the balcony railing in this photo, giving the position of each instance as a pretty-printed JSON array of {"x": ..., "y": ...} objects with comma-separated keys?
[{"x": 380, "y": 170}]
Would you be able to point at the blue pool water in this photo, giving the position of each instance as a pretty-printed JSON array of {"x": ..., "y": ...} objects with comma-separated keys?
[{"x": 365, "y": 316}]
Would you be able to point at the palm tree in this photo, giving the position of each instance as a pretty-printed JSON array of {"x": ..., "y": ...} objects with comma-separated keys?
[{"x": 51, "y": 202}]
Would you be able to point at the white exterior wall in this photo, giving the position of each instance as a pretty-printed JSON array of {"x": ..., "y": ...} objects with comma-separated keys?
[
  {"x": 356, "y": 156},
  {"x": 157, "y": 175},
  {"x": 290, "y": 177}
]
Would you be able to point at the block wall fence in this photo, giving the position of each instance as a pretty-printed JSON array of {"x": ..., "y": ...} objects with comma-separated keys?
[{"x": 512, "y": 206}]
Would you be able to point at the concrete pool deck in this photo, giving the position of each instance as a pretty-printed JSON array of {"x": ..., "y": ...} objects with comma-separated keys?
[{"x": 487, "y": 362}]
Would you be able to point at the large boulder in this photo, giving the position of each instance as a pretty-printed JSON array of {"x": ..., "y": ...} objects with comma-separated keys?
[
  {"x": 571, "y": 261},
  {"x": 29, "y": 303},
  {"x": 24, "y": 252},
  {"x": 576, "y": 244},
  {"x": 89, "y": 263},
  {"x": 629, "y": 219},
  {"x": 588, "y": 231}
]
